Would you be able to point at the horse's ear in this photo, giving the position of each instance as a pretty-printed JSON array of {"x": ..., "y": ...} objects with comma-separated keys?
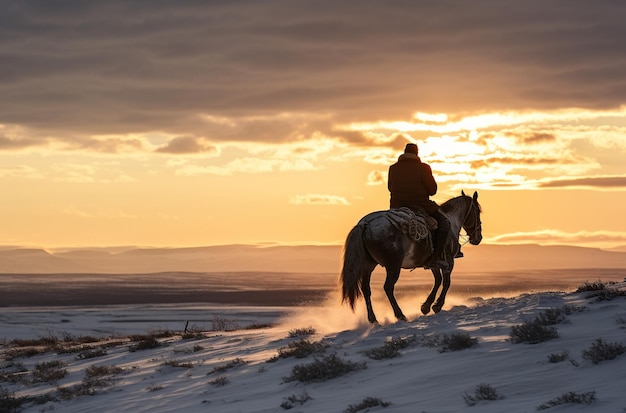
[
  {"x": 462, "y": 192},
  {"x": 475, "y": 197}
]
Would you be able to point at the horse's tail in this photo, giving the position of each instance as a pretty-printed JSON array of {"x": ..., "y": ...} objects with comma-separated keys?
[{"x": 355, "y": 255}]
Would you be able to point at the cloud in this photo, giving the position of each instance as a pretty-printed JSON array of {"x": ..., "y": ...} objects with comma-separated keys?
[
  {"x": 599, "y": 182},
  {"x": 558, "y": 237},
  {"x": 187, "y": 145},
  {"x": 101, "y": 172},
  {"x": 74, "y": 172},
  {"x": 25, "y": 171},
  {"x": 195, "y": 170},
  {"x": 109, "y": 144},
  {"x": 71, "y": 210},
  {"x": 494, "y": 96},
  {"x": 520, "y": 182},
  {"x": 528, "y": 161},
  {"x": 279, "y": 127},
  {"x": 377, "y": 178},
  {"x": 245, "y": 165},
  {"x": 15, "y": 138},
  {"x": 7, "y": 143},
  {"x": 318, "y": 199},
  {"x": 134, "y": 67},
  {"x": 538, "y": 137},
  {"x": 506, "y": 150}
]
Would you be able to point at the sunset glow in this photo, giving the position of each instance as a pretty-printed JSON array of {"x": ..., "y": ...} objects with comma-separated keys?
[{"x": 263, "y": 131}]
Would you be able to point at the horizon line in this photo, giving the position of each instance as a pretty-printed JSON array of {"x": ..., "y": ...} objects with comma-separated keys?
[{"x": 263, "y": 244}]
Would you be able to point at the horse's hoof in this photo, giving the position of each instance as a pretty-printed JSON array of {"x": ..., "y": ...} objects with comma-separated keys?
[
  {"x": 425, "y": 309},
  {"x": 402, "y": 318},
  {"x": 436, "y": 309}
]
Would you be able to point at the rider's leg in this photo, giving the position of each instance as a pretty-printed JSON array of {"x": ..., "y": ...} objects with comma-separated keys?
[{"x": 440, "y": 237}]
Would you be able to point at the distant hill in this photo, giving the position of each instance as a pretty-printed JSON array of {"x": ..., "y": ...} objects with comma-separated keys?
[
  {"x": 536, "y": 257},
  {"x": 302, "y": 259},
  {"x": 32, "y": 260}
]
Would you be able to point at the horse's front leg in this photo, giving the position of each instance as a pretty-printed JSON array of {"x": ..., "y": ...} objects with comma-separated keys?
[
  {"x": 444, "y": 290},
  {"x": 431, "y": 297},
  {"x": 392, "y": 277}
]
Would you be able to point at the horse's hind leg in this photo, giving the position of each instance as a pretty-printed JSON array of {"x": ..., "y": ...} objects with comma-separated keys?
[
  {"x": 444, "y": 290},
  {"x": 393, "y": 274},
  {"x": 367, "y": 295},
  {"x": 431, "y": 297}
]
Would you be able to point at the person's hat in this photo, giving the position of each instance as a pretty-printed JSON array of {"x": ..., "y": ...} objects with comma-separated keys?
[{"x": 410, "y": 148}]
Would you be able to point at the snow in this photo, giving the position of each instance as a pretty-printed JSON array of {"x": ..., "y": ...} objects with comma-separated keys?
[{"x": 421, "y": 379}]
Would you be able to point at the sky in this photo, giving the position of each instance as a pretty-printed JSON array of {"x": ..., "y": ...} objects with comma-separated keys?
[{"x": 216, "y": 122}]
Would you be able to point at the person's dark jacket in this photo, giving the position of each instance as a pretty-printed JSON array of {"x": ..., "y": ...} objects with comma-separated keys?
[{"x": 411, "y": 182}]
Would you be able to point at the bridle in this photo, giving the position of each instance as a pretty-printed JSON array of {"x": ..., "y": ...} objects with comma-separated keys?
[{"x": 477, "y": 226}]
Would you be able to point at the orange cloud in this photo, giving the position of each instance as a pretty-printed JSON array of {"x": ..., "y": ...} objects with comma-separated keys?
[
  {"x": 538, "y": 137},
  {"x": 603, "y": 182},
  {"x": 556, "y": 237},
  {"x": 377, "y": 178}
]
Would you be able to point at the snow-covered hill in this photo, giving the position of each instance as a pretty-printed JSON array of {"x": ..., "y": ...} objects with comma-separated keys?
[{"x": 241, "y": 359}]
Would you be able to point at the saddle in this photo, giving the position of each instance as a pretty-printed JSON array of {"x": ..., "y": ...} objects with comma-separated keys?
[{"x": 416, "y": 226}]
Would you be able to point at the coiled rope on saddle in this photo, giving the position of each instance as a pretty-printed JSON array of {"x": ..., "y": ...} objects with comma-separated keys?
[{"x": 414, "y": 226}]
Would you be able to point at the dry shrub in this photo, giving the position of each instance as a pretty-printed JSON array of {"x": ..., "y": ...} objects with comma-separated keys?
[
  {"x": 449, "y": 342},
  {"x": 601, "y": 350},
  {"x": 390, "y": 349},
  {"x": 299, "y": 349},
  {"x": 231, "y": 364},
  {"x": 89, "y": 353},
  {"x": 147, "y": 343},
  {"x": 299, "y": 332},
  {"x": 532, "y": 332},
  {"x": 291, "y": 401},
  {"x": 322, "y": 369},
  {"x": 49, "y": 371},
  {"x": 177, "y": 363},
  {"x": 590, "y": 286},
  {"x": 601, "y": 291},
  {"x": 570, "y": 398},
  {"x": 456, "y": 342},
  {"x": 8, "y": 402},
  {"x": 100, "y": 376},
  {"x": 558, "y": 357},
  {"x": 482, "y": 392},
  {"x": 219, "y": 381},
  {"x": 224, "y": 324},
  {"x": 367, "y": 403}
]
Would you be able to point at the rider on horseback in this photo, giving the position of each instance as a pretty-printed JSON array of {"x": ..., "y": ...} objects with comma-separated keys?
[{"x": 410, "y": 183}]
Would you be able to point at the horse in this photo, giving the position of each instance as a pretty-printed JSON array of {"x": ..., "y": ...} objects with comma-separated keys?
[{"x": 377, "y": 240}]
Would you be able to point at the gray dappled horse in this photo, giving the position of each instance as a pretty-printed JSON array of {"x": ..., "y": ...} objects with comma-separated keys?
[{"x": 378, "y": 240}]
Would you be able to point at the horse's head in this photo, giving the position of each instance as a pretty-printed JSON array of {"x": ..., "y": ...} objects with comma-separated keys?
[{"x": 472, "y": 224}]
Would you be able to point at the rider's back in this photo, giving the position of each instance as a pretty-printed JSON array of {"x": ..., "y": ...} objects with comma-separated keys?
[{"x": 411, "y": 182}]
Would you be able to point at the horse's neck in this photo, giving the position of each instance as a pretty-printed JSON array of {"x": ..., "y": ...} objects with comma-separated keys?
[{"x": 456, "y": 216}]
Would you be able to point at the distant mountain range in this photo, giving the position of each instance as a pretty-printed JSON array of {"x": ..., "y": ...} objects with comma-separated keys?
[{"x": 301, "y": 259}]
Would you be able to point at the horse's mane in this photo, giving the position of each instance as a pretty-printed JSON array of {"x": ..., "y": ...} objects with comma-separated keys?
[{"x": 449, "y": 205}]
